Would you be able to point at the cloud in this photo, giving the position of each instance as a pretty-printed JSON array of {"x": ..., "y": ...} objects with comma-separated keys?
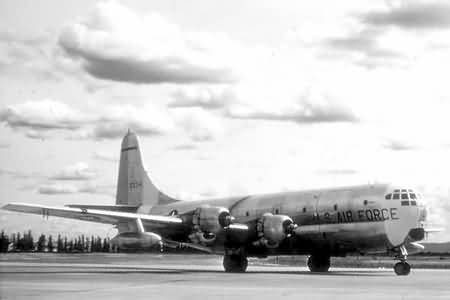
[
  {"x": 39, "y": 120},
  {"x": 104, "y": 156},
  {"x": 77, "y": 171},
  {"x": 115, "y": 43},
  {"x": 411, "y": 15},
  {"x": 306, "y": 110},
  {"x": 183, "y": 147},
  {"x": 200, "y": 125},
  {"x": 204, "y": 97},
  {"x": 42, "y": 115},
  {"x": 365, "y": 42},
  {"x": 4, "y": 145},
  {"x": 57, "y": 189},
  {"x": 397, "y": 145},
  {"x": 338, "y": 171}
]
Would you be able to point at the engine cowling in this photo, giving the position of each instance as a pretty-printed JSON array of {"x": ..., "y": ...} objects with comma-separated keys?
[
  {"x": 211, "y": 219},
  {"x": 136, "y": 240},
  {"x": 273, "y": 229},
  {"x": 207, "y": 222}
]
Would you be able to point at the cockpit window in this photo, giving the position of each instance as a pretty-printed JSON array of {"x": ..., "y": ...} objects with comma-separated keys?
[
  {"x": 412, "y": 196},
  {"x": 413, "y": 203},
  {"x": 405, "y": 203},
  {"x": 396, "y": 196},
  {"x": 405, "y": 196},
  {"x": 403, "y": 190},
  {"x": 388, "y": 196},
  {"x": 410, "y": 190},
  {"x": 396, "y": 191}
]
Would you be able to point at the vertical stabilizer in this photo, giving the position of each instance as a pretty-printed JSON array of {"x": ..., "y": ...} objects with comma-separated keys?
[{"x": 134, "y": 187}]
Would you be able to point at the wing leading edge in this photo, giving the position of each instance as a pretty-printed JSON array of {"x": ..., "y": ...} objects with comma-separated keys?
[{"x": 92, "y": 215}]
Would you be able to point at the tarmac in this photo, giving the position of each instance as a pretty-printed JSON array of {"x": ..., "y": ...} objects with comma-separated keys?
[{"x": 154, "y": 276}]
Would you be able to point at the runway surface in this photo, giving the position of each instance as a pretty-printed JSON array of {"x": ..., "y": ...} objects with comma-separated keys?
[{"x": 123, "y": 276}]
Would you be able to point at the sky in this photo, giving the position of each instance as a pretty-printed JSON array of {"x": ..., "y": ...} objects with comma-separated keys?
[{"x": 227, "y": 97}]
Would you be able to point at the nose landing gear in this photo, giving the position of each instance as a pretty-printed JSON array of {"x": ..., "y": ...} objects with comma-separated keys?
[{"x": 402, "y": 268}]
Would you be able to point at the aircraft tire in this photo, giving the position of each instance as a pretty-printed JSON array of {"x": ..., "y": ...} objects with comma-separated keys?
[
  {"x": 318, "y": 263},
  {"x": 402, "y": 268},
  {"x": 235, "y": 263}
]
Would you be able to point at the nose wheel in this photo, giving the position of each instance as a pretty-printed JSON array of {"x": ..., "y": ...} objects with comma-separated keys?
[{"x": 402, "y": 268}]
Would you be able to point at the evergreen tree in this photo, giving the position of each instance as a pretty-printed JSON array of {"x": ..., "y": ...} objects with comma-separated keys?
[
  {"x": 105, "y": 245},
  {"x": 41, "y": 243},
  {"x": 4, "y": 242},
  {"x": 70, "y": 246},
  {"x": 50, "y": 245},
  {"x": 29, "y": 242},
  {"x": 65, "y": 244},
  {"x": 92, "y": 244},
  {"x": 19, "y": 243},
  {"x": 59, "y": 244}
]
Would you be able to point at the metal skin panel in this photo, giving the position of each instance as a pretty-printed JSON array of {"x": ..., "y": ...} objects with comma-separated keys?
[{"x": 349, "y": 219}]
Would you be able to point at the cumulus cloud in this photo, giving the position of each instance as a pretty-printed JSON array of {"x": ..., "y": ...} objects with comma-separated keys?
[
  {"x": 104, "y": 156},
  {"x": 57, "y": 189},
  {"x": 338, "y": 171},
  {"x": 204, "y": 97},
  {"x": 306, "y": 110},
  {"x": 199, "y": 124},
  {"x": 397, "y": 145},
  {"x": 115, "y": 43},
  {"x": 38, "y": 119},
  {"x": 365, "y": 42},
  {"x": 411, "y": 15},
  {"x": 42, "y": 115},
  {"x": 77, "y": 171}
]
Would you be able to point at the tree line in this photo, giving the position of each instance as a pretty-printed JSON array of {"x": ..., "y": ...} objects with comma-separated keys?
[{"x": 25, "y": 242}]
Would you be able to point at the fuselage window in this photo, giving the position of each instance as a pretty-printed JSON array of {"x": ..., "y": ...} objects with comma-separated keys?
[
  {"x": 335, "y": 207},
  {"x": 405, "y": 203},
  {"x": 396, "y": 196},
  {"x": 412, "y": 196},
  {"x": 388, "y": 196},
  {"x": 404, "y": 196},
  {"x": 304, "y": 209},
  {"x": 247, "y": 213},
  {"x": 366, "y": 202},
  {"x": 413, "y": 203},
  {"x": 277, "y": 211}
]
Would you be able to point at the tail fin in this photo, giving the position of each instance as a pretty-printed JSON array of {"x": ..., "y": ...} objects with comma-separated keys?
[{"x": 134, "y": 187}]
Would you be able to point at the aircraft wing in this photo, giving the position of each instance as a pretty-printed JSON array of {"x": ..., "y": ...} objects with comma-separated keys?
[{"x": 93, "y": 215}]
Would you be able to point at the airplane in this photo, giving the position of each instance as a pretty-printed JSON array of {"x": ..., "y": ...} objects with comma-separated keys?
[{"x": 321, "y": 223}]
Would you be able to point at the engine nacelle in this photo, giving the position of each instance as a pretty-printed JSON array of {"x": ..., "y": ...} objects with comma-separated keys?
[
  {"x": 136, "y": 240},
  {"x": 211, "y": 219},
  {"x": 273, "y": 229}
]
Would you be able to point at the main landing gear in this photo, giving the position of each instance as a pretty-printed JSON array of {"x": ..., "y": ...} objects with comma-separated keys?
[
  {"x": 402, "y": 268},
  {"x": 318, "y": 263},
  {"x": 235, "y": 260}
]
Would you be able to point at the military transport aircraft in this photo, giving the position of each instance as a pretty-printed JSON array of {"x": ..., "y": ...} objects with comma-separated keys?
[{"x": 321, "y": 223}]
